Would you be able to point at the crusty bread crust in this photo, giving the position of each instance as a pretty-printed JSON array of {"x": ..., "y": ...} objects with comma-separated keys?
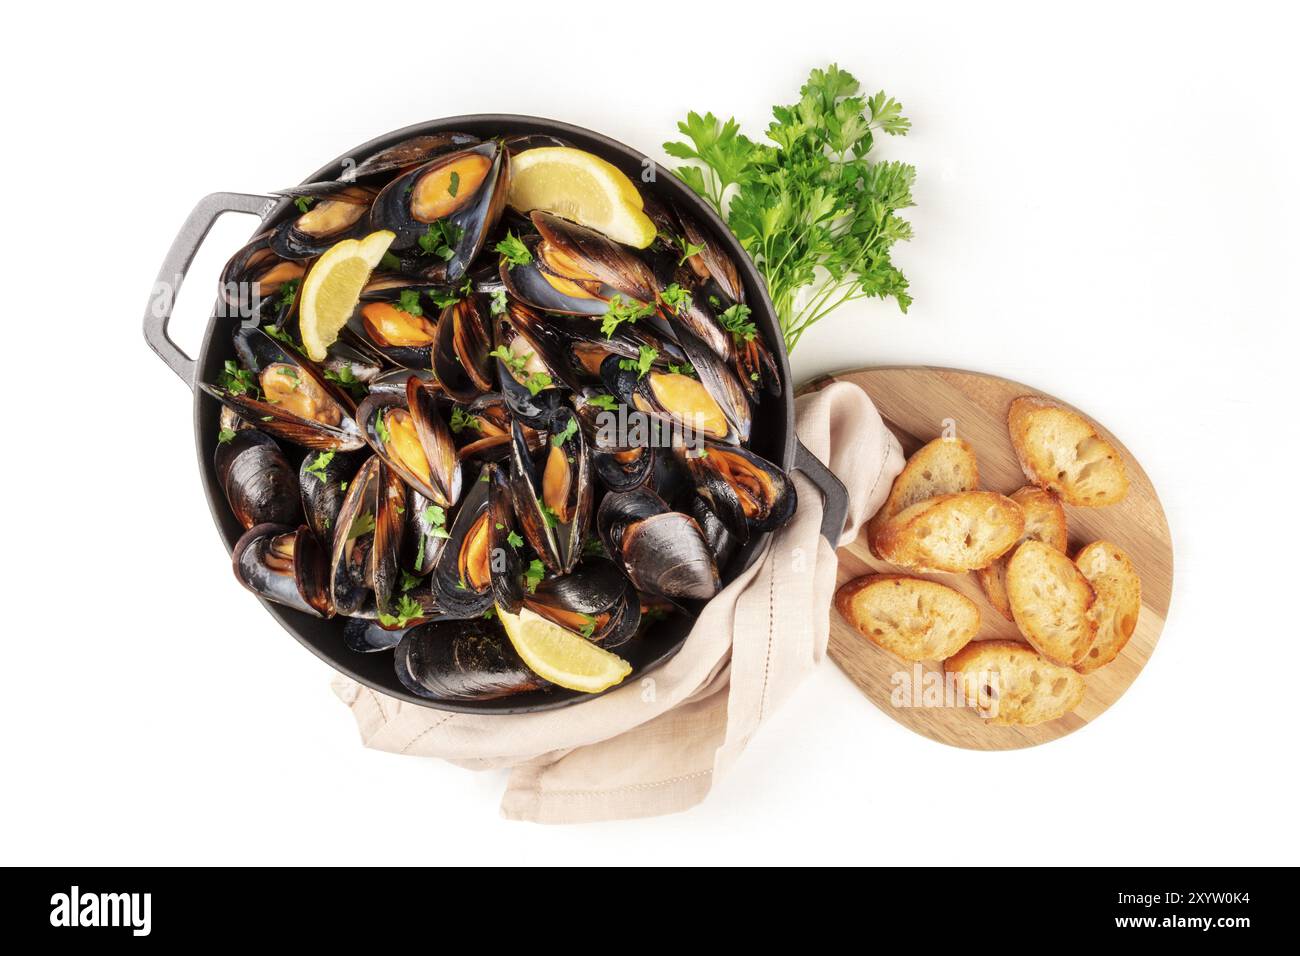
[
  {"x": 1030, "y": 689},
  {"x": 942, "y": 467},
  {"x": 1050, "y": 599},
  {"x": 1044, "y": 521},
  {"x": 911, "y": 618},
  {"x": 1118, "y": 588},
  {"x": 1061, "y": 450},
  {"x": 958, "y": 532}
]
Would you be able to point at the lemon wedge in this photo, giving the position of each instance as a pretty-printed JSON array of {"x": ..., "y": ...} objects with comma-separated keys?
[
  {"x": 332, "y": 287},
  {"x": 561, "y": 656},
  {"x": 577, "y": 185}
]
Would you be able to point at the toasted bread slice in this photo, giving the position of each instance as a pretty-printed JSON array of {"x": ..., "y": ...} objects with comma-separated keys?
[
  {"x": 913, "y": 619},
  {"x": 1050, "y": 599},
  {"x": 945, "y": 466},
  {"x": 1013, "y": 685},
  {"x": 1044, "y": 521},
  {"x": 1119, "y": 601},
  {"x": 1062, "y": 451},
  {"x": 955, "y": 533}
]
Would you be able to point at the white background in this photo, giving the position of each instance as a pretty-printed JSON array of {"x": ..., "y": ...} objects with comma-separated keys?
[{"x": 1107, "y": 210}]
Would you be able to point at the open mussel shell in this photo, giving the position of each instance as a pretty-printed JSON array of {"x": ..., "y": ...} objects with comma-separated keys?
[
  {"x": 413, "y": 152},
  {"x": 351, "y": 566},
  {"x": 531, "y": 283},
  {"x": 257, "y": 479},
  {"x": 483, "y": 428},
  {"x": 749, "y": 494},
  {"x": 462, "y": 660},
  {"x": 292, "y": 400},
  {"x": 426, "y": 533},
  {"x": 595, "y": 599},
  {"x": 285, "y": 565},
  {"x": 528, "y": 383},
  {"x": 254, "y": 278},
  {"x": 367, "y": 637},
  {"x": 394, "y": 381},
  {"x": 686, "y": 402},
  {"x": 342, "y": 214},
  {"x": 409, "y": 434},
  {"x": 507, "y": 563},
  {"x": 663, "y": 552},
  {"x": 722, "y": 542},
  {"x": 462, "y": 361},
  {"x": 552, "y": 492},
  {"x": 583, "y": 255},
  {"x": 400, "y": 336},
  {"x": 464, "y": 191},
  {"x": 461, "y": 581},
  {"x": 711, "y": 264},
  {"x": 322, "y": 485}
]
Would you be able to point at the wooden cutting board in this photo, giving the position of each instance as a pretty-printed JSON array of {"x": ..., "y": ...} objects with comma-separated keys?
[{"x": 916, "y": 403}]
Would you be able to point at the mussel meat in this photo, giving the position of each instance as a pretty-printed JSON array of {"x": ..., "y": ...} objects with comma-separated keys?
[
  {"x": 594, "y": 600},
  {"x": 748, "y": 493},
  {"x": 409, "y": 433},
  {"x": 285, "y": 565},
  {"x": 342, "y": 214},
  {"x": 552, "y": 493},
  {"x": 461, "y": 581}
]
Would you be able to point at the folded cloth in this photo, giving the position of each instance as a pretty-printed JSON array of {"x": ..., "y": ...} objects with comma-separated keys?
[{"x": 656, "y": 745}]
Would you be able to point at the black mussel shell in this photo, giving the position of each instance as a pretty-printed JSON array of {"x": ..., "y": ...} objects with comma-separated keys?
[
  {"x": 397, "y": 335},
  {"x": 342, "y": 214},
  {"x": 462, "y": 360},
  {"x": 464, "y": 192},
  {"x": 584, "y": 255},
  {"x": 749, "y": 494},
  {"x": 366, "y": 636},
  {"x": 711, "y": 262},
  {"x": 254, "y": 278},
  {"x": 722, "y": 542},
  {"x": 507, "y": 563},
  {"x": 595, "y": 599},
  {"x": 462, "y": 660},
  {"x": 462, "y": 576},
  {"x": 257, "y": 479},
  {"x": 663, "y": 552},
  {"x": 552, "y": 493},
  {"x": 285, "y": 565},
  {"x": 351, "y": 560},
  {"x": 426, "y": 533},
  {"x": 679, "y": 399},
  {"x": 401, "y": 429},
  {"x": 322, "y": 481},
  {"x": 415, "y": 151}
]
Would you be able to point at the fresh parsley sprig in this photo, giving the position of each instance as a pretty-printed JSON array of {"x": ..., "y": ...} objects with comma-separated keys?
[{"x": 816, "y": 215}]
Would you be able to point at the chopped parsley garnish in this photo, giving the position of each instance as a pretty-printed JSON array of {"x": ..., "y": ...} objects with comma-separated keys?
[
  {"x": 537, "y": 382},
  {"x": 736, "y": 321},
  {"x": 594, "y": 548},
  {"x": 343, "y": 376},
  {"x": 390, "y": 262},
  {"x": 409, "y": 581},
  {"x": 286, "y": 296},
  {"x": 623, "y": 310},
  {"x": 454, "y": 186},
  {"x": 499, "y": 304},
  {"x": 409, "y": 302},
  {"x": 435, "y": 516},
  {"x": 461, "y": 419},
  {"x": 513, "y": 360},
  {"x": 440, "y": 239},
  {"x": 225, "y": 435},
  {"x": 533, "y": 576},
  {"x": 303, "y": 202},
  {"x": 641, "y": 364},
  {"x": 548, "y": 514},
  {"x": 238, "y": 381},
  {"x": 569, "y": 430},
  {"x": 676, "y": 298},
  {"x": 514, "y": 251},
  {"x": 588, "y": 626},
  {"x": 514, "y": 540},
  {"x": 380, "y": 428},
  {"x": 607, "y": 402},
  {"x": 289, "y": 371},
  {"x": 363, "y": 523},
  {"x": 686, "y": 368},
  {"x": 408, "y": 609},
  {"x": 688, "y": 249},
  {"x": 317, "y": 467}
]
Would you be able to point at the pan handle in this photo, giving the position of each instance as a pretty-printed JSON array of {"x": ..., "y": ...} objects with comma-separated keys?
[
  {"x": 163, "y": 298},
  {"x": 835, "y": 497}
]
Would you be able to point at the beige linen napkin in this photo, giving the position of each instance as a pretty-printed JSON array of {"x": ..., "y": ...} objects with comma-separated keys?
[{"x": 656, "y": 745}]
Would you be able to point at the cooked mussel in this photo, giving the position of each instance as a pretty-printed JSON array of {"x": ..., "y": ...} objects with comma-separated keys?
[
  {"x": 584, "y": 256},
  {"x": 443, "y": 210},
  {"x": 552, "y": 492},
  {"x": 282, "y": 393},
  {"x": 285, "y": 565},
  {"x": 322, "y": 485},
  {"x": 462, "y": 575},
  {"x": 409, "y": 433},
  {"x": 258, "y": 282},
  {"x": 462, "y": 660},
  {"x": 707, "y": 403},
  {"x": 594, "y": 600},
  {"x": 426, "y": 533},
  {"x": 749, "y": 494},
  {"x": 505, "y": 542},
  {"x": 663, "y": 552},
  {"x": 529, "y": 383},
  {"x": 398, "y": 320},
  {"x": 365, "y": 569},
  {"x": 257, "y": 479},
  {"x": 462, "y": 347},
  {"x": 342, "y": 214}
]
